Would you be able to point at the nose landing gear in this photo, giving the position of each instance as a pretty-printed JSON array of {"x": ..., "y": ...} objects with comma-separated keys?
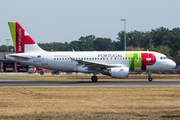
[{"x": 150, "y": 78}]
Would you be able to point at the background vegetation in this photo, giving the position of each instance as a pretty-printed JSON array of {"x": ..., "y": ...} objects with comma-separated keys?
[{"x": 160, "y": 40}]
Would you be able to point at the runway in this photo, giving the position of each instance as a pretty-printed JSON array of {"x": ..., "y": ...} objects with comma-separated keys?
[{"x": 23, "y": 83}]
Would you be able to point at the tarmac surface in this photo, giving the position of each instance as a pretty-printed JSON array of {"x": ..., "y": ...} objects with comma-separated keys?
[{"x": 24, "y": 83}]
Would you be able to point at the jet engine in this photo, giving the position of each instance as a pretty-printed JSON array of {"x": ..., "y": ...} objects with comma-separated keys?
[{"x": 119, "y": 72}]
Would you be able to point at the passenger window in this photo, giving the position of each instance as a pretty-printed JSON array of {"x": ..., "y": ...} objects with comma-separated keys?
[
  {"x": 62, "y": 58},
  {"x": 54, "y": 58}
]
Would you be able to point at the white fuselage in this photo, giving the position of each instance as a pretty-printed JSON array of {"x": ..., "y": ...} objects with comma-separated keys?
[{"x": 66, "y": 61}]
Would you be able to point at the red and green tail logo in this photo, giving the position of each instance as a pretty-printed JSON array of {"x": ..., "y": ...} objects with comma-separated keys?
[{"x": 20, "y": 37}]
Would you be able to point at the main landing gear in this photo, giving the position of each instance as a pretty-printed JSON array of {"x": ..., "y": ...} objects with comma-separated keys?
[
  {"x": 150, "y": 78},
  {"x": 94, "y": 79}
]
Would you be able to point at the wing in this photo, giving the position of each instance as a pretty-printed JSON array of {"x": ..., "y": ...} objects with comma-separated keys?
[{"x": 95, "y": 65}]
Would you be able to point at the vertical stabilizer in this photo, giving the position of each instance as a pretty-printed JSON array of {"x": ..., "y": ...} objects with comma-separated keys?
[{"x": 22, "y": 41}]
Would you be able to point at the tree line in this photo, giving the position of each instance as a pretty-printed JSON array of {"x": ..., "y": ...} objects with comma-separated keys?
[{"x": 160, "y": 40}]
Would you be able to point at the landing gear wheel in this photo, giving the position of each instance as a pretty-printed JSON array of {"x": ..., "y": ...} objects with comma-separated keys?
[
  {"x": 150, "y": 79},
  {"x": 42, "y": 73},
  {"x": 94, "y": 79}
]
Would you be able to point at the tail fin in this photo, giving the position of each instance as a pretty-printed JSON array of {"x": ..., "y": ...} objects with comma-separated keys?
[{"x": 23, "y": 43}]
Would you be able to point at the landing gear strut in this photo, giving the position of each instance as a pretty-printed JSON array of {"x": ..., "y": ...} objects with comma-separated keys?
[
  {"x": 94, "y": 79},
  {"x": 150, "y": 78}
]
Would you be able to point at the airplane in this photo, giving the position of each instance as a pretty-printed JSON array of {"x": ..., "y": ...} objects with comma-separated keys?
[{"x": 116, "y": 64}]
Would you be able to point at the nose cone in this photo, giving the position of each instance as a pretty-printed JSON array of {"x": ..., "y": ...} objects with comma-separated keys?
[{"x": 172, "y": 64}]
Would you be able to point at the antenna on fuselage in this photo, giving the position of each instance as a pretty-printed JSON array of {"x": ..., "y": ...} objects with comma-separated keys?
[{"x": 147, "y": 50}]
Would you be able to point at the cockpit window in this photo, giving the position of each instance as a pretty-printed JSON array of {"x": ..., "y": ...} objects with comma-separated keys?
[{"x": 164, "y": 58}]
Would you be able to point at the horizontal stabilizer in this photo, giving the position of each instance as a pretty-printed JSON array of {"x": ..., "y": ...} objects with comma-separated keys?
[{"x": 19, "y": 56}]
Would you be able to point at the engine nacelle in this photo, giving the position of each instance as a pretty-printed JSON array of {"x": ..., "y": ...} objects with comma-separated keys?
[{"x": 119, "y": 72}]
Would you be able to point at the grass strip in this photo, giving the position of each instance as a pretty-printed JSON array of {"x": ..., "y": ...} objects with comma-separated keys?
[{"x": 90, "y": 103}]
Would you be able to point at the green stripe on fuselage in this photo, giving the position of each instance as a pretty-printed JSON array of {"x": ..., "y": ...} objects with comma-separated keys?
[
  {"x": 134, "y": 60},
  {"x": 12, "y": 27}
]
